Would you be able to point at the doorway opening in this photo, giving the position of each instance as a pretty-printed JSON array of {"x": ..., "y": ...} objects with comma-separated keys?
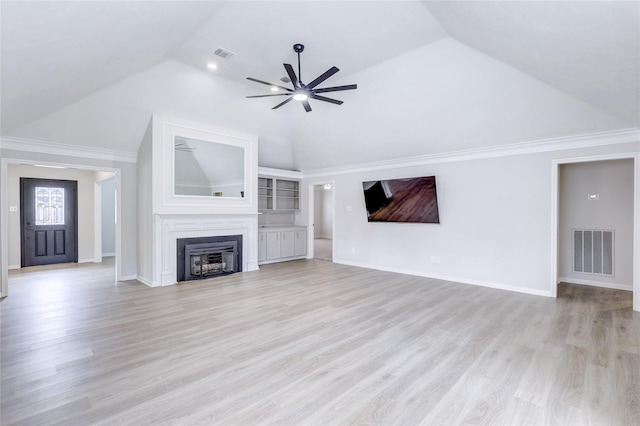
[
  {"x": 48, "y": 240},
  {"x": 322, "y": 221},
  {"x": 595, "y": 233}
]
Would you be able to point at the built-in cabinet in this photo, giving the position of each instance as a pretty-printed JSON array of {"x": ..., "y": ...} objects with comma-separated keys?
[
  {"x": 278, "y": 193},
  {"x": 281, "y": 243},
  {"x": 279, "y": 238}
]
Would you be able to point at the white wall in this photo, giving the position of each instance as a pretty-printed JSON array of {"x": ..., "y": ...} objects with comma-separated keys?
[
  {"x": 108, "y": 225},
  {"x": 495, "y": 218},
  {"x": 327, "y": 212},
  {"x": 85, "y": 180},
  {"x": 323, "y": 212},
  {"x": 318, "y": 231},
  {"x": 613, "y": 182},
  {"x": 145, "y": 253}
]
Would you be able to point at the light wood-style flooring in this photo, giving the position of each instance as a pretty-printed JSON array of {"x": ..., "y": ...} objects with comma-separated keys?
[{"x": 312, "y": 343}]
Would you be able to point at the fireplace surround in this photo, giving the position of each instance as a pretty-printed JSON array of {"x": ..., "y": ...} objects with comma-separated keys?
[{"x": 207, "y": 257}]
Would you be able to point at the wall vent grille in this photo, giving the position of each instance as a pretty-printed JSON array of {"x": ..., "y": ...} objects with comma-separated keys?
[{"x": 593, "y": 251}]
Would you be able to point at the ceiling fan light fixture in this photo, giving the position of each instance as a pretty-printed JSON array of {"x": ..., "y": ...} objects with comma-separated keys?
[{"x": 300, "y": 96}]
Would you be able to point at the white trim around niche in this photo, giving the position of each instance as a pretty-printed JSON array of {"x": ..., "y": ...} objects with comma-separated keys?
[{"x": 166, "y": 202}]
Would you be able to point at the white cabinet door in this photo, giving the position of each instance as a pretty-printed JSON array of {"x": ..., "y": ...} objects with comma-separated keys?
[
  {"x": 273, "y": 245},
  {"x": 262, "y": 246},
  {"x": 286, "y": 243},
  {"x": 300, "y": 244}
]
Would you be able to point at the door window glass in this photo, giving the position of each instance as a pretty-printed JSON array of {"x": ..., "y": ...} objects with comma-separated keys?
[{"x": 49, "y": 206}]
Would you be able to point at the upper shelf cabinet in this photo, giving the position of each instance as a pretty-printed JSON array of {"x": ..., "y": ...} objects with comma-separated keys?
[
  {"x": 287, "y": 194},
  {"x": 278, "y": 193},
  {"x": 265, "y": 193}
]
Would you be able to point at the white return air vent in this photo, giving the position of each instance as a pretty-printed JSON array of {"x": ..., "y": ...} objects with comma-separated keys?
[
  {"x": 593, "y": 251},
  {"x": 223, "y": 53}
]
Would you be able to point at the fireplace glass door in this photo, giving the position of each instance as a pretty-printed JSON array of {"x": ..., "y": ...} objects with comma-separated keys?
[{"x": 212, "y": 263}]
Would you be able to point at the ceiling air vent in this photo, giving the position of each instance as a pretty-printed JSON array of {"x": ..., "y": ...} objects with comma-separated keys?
[{"x": 223, "y": 53}]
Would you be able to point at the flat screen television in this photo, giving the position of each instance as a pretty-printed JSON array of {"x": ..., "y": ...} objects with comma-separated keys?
[{"x": 402, "y": 200}]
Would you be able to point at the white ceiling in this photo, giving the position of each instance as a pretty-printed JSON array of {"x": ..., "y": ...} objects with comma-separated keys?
[{"x": 432, "y": 76}]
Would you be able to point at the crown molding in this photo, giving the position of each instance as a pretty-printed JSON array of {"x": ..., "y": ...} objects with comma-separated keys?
[
  {"x": 268, "y": 171},
  {"x": 532, "y": 147},
  {"x": 54, "y": 148}
]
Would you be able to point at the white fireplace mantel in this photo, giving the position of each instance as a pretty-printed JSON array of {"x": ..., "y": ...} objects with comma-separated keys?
[
  {"x": 169, "y": 228},
  {"x": 164, "y": 216}
]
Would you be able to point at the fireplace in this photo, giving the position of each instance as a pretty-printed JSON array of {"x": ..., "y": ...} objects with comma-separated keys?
[{"x": 207, "y": 257}]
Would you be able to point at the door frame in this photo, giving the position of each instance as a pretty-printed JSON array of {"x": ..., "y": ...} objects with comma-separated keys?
[
  {"x": 23, "y": 251},
  {"x": 311, "y": 219},
  {"x": 4, "y": 213},
  {"x": 555, "y": 217}
]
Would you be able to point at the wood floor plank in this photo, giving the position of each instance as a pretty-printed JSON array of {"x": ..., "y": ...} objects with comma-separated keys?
[{"x": 312, "y": 342}]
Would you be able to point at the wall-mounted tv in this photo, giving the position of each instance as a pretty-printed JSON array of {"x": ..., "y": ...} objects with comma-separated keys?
[{"x": 402, "y": 200}]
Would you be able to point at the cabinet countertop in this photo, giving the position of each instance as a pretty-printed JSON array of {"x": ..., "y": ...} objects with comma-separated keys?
[{"x": 280, "y": 227}]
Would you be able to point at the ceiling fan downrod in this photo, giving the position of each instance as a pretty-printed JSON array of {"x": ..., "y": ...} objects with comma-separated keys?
[{"x": 299, "y": 48}]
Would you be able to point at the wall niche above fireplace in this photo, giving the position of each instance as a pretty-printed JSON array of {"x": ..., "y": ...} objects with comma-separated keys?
[{"x": 201, "y": 169}]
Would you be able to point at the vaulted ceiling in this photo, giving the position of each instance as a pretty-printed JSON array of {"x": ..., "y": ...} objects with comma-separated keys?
[{"x": 433, "y": 76}]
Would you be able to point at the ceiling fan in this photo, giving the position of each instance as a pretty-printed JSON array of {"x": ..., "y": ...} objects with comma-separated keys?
[{"x": 303, "y": 92}]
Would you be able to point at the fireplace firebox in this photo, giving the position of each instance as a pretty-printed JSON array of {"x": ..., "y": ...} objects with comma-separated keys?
[{"x": 207, "y": 257}]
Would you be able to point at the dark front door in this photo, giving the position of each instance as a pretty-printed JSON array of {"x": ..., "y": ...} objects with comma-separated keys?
[{"x": 48, "y": 219}]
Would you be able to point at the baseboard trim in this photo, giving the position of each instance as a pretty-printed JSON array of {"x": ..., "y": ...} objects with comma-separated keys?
[
  {"x": 287, "y": 259},
  {"x": 613, "y": 286},
  {"x": 87, "y": 260},
  {"x": 460, "y": 280},
  {"x": 108, "y": 254},
  {"x": 13, "y": 267},
  {"x": 129, "y": 278}
]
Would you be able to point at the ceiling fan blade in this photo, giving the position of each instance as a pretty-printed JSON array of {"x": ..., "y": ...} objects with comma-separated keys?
[
  {"x": 306, "y": 105},
  {"x": 325, "y": 99},
  {"x": 328, "y": 73},
  {"x": 282, "y": 103},
  {"x": 266, "y": 96},
  {"x": 336, "y": 88},
  {"x": 269, "y": 84},
  {"x": 292, "y": 75}
]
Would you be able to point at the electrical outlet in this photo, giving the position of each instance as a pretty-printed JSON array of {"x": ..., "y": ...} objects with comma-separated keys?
[
  {"x": 13, "y": 209},
  {"x": 435, "y": 259}
]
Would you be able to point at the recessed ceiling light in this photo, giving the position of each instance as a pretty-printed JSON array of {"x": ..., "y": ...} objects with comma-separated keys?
[
  {"x": 212, "y": 66},
  {"x": 274, "y": 89}
]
